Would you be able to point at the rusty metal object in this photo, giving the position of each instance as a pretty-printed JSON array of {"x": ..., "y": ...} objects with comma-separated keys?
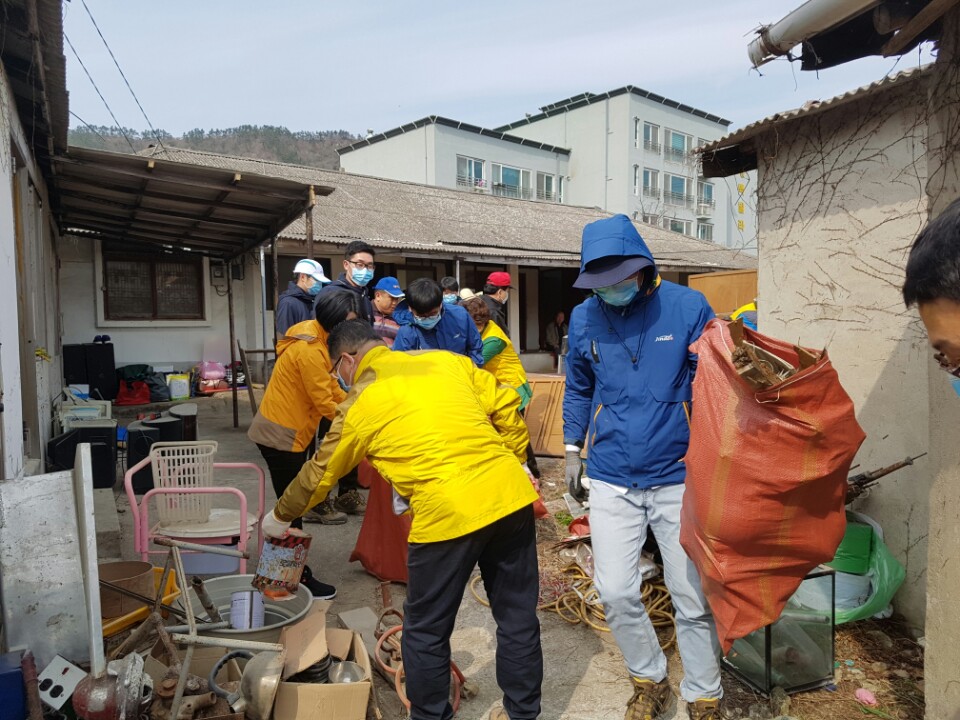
[
  {"x": 194, "y": 703},
  {"x": 29, "y": 667},
  {"x": 116, "y": 695},
  {"x": 212, "y": 611}
]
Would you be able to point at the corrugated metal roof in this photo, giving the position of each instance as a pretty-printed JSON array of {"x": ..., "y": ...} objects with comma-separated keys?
[
  {"x": 810, "y": 108},
  {"x": 413, "y": 218},
  {"x": 156, "y": 203},
  {"x": 457, "y": 125}
]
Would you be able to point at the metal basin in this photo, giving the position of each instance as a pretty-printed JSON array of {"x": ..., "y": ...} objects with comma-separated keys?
[{"x": 277, "y": 614}]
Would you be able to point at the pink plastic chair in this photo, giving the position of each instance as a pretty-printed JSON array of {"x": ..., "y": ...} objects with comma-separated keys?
[{"x": 143, "y": 533}]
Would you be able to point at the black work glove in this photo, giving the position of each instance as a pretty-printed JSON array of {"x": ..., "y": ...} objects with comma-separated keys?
[{"x": 574, "y": 473}]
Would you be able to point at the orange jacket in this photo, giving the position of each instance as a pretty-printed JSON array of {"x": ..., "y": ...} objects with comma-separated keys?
[{"x": 301, "y": 390}]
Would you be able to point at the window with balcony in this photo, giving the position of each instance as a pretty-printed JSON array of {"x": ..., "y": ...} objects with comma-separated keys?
[
  {"x": 511, "y": 182},
  {"x": 705, "y": 201},
  {"x": 152, "y": 287},
  {"x": 677, "y": 225},
  {"x": 676, "y": 190},
  {"x": 678, "y": 145},
  {"x": 470, "y": 172},
  {"x": 651, "y": 183},
  {"x": 651, "y": 219},
  {"x": 705, "y": 231},
  {"x": 546, "y": 187},
  {"x": 651, "y": 137}
]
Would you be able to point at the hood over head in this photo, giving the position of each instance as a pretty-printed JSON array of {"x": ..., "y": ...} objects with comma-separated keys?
[{"x": 612, "y": 251}]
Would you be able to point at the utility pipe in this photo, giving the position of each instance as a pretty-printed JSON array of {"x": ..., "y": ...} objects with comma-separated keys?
[{"x": 807, "y": 21}]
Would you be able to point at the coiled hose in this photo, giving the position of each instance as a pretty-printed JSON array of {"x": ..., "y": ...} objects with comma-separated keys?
[{"x": 573, "y": 596}]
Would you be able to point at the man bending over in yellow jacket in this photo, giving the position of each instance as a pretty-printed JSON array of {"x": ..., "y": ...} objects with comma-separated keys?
[{"x": 461, "y": 475}]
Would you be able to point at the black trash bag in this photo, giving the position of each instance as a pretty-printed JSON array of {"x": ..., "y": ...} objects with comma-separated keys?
[
  {"x": 159, "y": 390},
  {"x": 131, "y": 373}
]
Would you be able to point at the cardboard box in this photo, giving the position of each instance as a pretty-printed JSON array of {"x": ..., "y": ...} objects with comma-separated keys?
[{"x": 307, "y": 642}]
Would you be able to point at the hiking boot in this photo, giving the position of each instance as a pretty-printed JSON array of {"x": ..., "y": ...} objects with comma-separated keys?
[
  {"x": 319, "y": 590},
  {"x": 704, "y": 709},
  {"x": 649, "y": 699},
  {"x": 351, "y": 502},
  {"x": 325, "y": 513}
]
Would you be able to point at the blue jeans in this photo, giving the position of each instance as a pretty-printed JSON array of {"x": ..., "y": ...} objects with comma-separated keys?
[{"x": 618, "y": 528}]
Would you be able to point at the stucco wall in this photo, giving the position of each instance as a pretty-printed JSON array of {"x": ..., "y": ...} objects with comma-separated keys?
[
  {"x": 170, "y": 343},
  {"x": 409, "y": 157},
  {"x": 841, "y": 199}
]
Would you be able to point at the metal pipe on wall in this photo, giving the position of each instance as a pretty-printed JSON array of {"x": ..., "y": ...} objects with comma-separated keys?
[
  {"x": 263, "y": 303},
  {"x": 233, "y": 346}
]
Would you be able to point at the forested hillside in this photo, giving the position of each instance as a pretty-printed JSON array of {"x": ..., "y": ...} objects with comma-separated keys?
[{"x": 317, "y": 149}]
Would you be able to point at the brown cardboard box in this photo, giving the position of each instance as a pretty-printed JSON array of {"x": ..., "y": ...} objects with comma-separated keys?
[
  {"x": 306, "y": 643},
  {"x": 544, "y": 414}
]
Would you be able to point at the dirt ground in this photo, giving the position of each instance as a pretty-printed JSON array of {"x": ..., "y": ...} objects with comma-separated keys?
[{"x": 880, "y": 655}]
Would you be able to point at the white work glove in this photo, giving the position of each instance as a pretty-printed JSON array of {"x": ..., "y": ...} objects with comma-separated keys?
[
  {"x": 400, "y": 503},
  {"x": 273, "y": 526},
  {"x": 574, "y": 473}
]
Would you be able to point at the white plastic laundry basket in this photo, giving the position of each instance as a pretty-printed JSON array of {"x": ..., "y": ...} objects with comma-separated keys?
[{"x": 183, "y": 465}]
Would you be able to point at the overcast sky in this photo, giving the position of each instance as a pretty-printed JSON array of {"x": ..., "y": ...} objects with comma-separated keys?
[{"x": 330, "y": 65}]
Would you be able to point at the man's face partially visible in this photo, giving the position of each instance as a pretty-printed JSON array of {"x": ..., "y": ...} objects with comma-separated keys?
[{"x": 942, "y": 320}]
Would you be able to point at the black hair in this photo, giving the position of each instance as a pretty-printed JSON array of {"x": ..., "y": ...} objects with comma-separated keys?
[
  {"x": 348, "y": 337},
  {"x": 489, "y": 289},
  {"x": 358, "y": 246},
  {"x": 933, "y": 267},
  {"x": 449, "y": 283},
  {"x": 334, "y": 305},
  {"x": 424, "y": 295}
]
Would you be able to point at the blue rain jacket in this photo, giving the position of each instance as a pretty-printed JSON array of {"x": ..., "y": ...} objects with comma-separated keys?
[
  {"x": 630, "y": 371},
  {"x": 455, "y": 332}
]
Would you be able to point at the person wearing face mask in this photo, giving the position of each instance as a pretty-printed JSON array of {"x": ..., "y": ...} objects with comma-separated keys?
[
  {"x": 296, "y": 303},
  {"x": 302, "y": 391},
  {"x": 387, "y": 295},
  {"x": 628, "y": 393},
  {"x": 496, "y": 292},
  {"x": 933, "y": 284},
  {"x": 460, "y": 476},
  {"x": 451, "y": 290},
  {"x": 437, "y": 325},
  {"x": 358, "y": 269}
]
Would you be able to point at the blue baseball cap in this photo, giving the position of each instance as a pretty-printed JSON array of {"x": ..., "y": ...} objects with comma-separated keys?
[{"x": 390, "y": 285}]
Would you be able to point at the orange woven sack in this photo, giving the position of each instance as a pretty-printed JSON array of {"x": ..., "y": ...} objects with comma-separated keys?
[{"x": 766, "y": 479}]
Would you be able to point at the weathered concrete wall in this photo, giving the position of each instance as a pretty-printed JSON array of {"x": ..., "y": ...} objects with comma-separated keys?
[
  {"x": 943, "y": 587},
  {"x": 841, "y": 199}
]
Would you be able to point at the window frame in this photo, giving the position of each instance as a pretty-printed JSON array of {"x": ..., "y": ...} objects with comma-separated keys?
[
  {"x": 547, "y": 195},
  {"x": 670, "y": 152},
  {"x": 684, "y": 223},
  {"x": 470, "y": 180},
  {"x": 651, "y": 190},
  {"x": 652, "y": 145},
  {"x": 670, "y": 197},
  {"x": 100, "y": 280},
  {"x": 703, "y": 225},
  {"x": 525, "y": 191}
]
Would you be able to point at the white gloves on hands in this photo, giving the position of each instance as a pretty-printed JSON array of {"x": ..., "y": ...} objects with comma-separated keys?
[{"x": 273, "y": 526}]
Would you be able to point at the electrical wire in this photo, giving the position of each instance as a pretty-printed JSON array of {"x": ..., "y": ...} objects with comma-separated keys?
[
  {"x": 91, "y": 127},
  {"x": 573, "y": 596},
  {"x": 106, "y": 105},
  {"x": 156, "y": 135}
]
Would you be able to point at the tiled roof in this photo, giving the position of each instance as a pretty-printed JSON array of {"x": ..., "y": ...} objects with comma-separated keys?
[{"x": 414, "y": 218}]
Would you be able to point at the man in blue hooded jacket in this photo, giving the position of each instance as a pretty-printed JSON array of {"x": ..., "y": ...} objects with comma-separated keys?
[
  {"x": 436, "y": 325},
  {"x": 628, "y": 394}
]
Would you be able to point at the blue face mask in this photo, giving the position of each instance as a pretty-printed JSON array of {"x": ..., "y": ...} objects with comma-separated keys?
[
  {"x": 342, "y": 384},
  {"x": 427, "y": 323},
  {"x": 361, "y": 277},
  {"x": 450, "y": 299},
  {"x": 621, "y": 294},
  {"x": 315, "y": 288}
]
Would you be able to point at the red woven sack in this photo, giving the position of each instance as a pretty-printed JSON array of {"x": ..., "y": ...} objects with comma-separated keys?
[
  {"x": 135, "y": 392},
  {"x": 766, "y": 480}
]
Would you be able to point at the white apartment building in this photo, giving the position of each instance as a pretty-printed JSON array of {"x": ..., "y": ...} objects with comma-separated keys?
[
  {"x": 627, "y": 150},
  {"x": 446, "y": 153}
]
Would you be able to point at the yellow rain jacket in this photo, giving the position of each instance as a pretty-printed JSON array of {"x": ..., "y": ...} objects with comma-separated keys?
[
  {"x": 441, "y": 431},
  {"x": 302, "y": 389}
]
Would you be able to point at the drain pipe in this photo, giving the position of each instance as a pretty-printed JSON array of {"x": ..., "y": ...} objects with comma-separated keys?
[{"x": 807, "y": 21}]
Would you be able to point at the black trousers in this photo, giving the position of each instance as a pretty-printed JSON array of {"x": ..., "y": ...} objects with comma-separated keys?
[
  {"x": 284, "y": 465},
  {"x": 438, "y": 574}
]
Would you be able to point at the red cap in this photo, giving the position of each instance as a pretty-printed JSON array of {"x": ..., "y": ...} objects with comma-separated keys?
[{"x": 500, "y": 279}]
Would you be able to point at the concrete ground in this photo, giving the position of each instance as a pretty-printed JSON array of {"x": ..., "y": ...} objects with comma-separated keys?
[{"x": 584, "y": 674}]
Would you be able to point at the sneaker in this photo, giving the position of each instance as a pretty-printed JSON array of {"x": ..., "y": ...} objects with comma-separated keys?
[
  {"x": 320, "y": 590},
  {"x": 648, "y": 701},
  {"x": 351, "y": 502},
  {"x": 325, "y": 513},
  {"x": 704, "y": 709}
]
